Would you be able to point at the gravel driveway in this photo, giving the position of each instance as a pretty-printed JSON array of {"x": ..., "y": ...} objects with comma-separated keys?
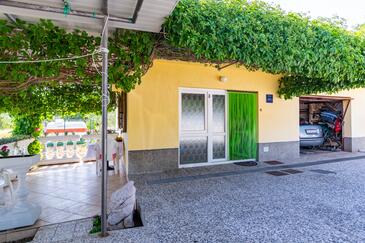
[{"x": 321, "y": 203}]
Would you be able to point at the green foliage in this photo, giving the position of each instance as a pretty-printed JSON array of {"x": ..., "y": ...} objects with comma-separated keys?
[
  {"x": 27, "y": 125},
  {"x": 132, "y": 51},
  {"x": 360, "y": 30},
  {"x": 65, "y": 87},
  {"x": 96, "y": 225},
  {"x": 312, "y": 55},
  {"x": 56, "y": 100},
  {"x": 35, "y": 147},
  {"x": 13, "y": 139},
  {"x": 25, "y": 41}
]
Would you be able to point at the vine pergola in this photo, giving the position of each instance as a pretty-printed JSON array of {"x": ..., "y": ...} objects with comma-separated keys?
[{"x": 81, "y": 68}]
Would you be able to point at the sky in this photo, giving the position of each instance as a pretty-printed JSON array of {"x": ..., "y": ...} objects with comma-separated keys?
[{"x": 351, "y": 10}]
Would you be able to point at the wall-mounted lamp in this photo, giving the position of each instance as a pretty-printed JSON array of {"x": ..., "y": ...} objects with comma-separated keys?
[{"x": 223, "y": 79}]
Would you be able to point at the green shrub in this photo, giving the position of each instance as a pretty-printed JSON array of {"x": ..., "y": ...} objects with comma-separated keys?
[
  {"x": 35, "y": 147},
  {"x": 28, "y": 125},
  {"x": 70, "y": 143}
]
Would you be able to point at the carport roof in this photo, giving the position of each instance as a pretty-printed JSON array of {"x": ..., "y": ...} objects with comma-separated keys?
[{"x": 144, "y": 15}]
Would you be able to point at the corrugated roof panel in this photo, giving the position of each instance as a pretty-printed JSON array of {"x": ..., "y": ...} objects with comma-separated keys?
[
  {"x": 79, "y": 5},
  {"x": 150, "y": 17},
  {"x": 123, "y": 8}
]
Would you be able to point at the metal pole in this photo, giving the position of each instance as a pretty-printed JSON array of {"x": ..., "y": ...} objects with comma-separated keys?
[{"x": 105, "y": 99}]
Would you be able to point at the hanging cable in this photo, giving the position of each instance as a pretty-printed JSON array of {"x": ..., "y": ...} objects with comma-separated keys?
[
  {"x": 50, "y": 60},
  {"x": 94, "y": 63}
]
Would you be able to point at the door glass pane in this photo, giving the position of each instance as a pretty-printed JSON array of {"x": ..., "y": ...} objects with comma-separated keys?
[
  {"x": 193, "y": 150},
  {"x": 219, "y": 113},
  {"x": 193, "y": 112},
  {"x": 219, "y": 147}
]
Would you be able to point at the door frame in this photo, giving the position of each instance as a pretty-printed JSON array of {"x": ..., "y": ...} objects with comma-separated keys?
[{"x": 208, "y": 130}]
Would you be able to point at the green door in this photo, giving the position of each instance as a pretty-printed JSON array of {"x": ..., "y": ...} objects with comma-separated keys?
[{"x": 242, "y": 125}]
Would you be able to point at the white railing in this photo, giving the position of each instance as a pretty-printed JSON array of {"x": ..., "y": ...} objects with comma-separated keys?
[
  {"x": 66, "y": 149},
  {"x": 63, "y": 149}
]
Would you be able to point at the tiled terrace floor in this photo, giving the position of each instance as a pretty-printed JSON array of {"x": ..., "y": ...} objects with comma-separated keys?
[{"x": 66, "y": 192}]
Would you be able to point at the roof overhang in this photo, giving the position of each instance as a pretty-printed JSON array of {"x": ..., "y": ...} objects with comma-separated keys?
[{"x": 143, "y": 15}]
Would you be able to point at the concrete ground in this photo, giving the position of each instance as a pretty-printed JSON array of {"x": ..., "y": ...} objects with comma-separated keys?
[{"x": 308, "y": 202}]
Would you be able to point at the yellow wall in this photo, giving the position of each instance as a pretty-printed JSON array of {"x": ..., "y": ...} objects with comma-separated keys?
[{"x": 153, "y": 106}]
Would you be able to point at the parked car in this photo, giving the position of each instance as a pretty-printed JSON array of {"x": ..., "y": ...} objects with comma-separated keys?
[{"x": 311, "y": 135}]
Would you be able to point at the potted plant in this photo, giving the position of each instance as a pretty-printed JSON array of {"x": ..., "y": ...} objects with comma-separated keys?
[
  {"x": 4, "y": 151},
  {"x": 70, "y": 151},
  {"x": 60, "y": 150},
  {"x": 35, "y": 147},
  {"x": 81, "y": 148},
  {"x": 50, "y": 150}
]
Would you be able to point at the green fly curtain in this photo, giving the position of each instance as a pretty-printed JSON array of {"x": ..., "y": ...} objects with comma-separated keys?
[{"x": 242, "y": 125}]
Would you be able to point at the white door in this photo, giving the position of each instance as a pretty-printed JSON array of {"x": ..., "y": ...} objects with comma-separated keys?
[{"x": 203, "y": 122}]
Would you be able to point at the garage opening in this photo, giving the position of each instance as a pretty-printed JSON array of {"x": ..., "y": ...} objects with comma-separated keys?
[{"x": 322, "y": 123}]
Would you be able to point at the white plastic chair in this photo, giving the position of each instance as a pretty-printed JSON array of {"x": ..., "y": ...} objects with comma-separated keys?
[
  {"x": 91, "y": 152},
  {"x": 115, "y": 154},
  {"x": 119, "y": 159},
  {"x": 5, "y": 180}
]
